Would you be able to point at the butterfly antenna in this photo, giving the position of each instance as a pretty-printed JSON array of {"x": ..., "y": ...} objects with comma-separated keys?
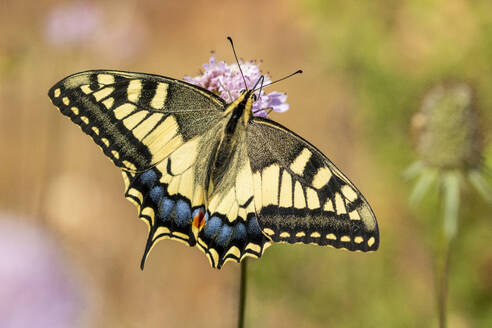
[
  {"x": 260, "y": 80},
  {"x": 237, "y": 61},
  {"x": 285, "y": 77},
  {"x": 261, "y": 87}
]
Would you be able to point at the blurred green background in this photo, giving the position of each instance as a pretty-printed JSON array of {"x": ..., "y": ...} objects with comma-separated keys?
[{"x": 66, "y": 229}]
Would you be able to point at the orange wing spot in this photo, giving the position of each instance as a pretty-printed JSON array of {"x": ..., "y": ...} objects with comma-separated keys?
[{"x": 199, "y": 220}]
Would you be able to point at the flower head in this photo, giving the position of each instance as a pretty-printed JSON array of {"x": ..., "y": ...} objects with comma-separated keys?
[
  {"x": 73, "y": 23},
  {"x": 226, "y": 81}
]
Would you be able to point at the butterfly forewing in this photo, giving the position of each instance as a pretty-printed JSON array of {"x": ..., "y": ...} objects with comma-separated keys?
[
  {"x": 137, "y": 119},
  {"x": 300, "y": 196}
]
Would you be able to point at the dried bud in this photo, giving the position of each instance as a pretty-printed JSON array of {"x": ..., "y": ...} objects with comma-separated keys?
[{"x": 446, "y": 129}]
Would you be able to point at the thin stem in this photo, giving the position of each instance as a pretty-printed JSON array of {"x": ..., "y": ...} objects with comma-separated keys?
[
  {"x": 451, "y": 201},
  {"x": 242, "y": 293},
  {"x": 442, "y": 275}
]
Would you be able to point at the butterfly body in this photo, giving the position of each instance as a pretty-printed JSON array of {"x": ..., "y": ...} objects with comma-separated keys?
[{"x": 211, "y": 174}]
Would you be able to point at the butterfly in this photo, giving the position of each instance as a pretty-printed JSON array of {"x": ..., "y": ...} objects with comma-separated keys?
[{"x": 209, "y": 173}]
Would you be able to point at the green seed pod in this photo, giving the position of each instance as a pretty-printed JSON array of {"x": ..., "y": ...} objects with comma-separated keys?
[{"x": 446, "y": 129}]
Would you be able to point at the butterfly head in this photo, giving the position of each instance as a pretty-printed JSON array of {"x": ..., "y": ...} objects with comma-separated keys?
[
  {"x": 242, "y": 106},
  {"x": 248, "y": 97}
]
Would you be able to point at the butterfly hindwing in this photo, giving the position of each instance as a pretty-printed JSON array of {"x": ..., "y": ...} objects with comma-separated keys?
[
  {"x": 137, "y": 119},
  {"x": 300, "y": 196}
]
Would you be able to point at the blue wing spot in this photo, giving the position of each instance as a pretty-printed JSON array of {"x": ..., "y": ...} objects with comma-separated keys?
[
  {"x": 165, "y": 208},
  {"x": 224, "y": 235},
  {"x": 156, "y": 194},
  {"x": 212, "y": 226},
  {"x": 148, "y": 178},
  {"x": 183, "y": 214},
  {"x": 239, "y": 232},
  {"x": 253, "y": 227}
]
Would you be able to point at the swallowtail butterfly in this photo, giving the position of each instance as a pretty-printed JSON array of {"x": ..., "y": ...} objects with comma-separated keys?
[{"x": 210, "y": 174}]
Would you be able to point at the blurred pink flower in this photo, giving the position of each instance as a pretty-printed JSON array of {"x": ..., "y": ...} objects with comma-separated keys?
[
  {"x": 35, "y": 287},
  {"x": 224, "y": 79},
  {"x": 73, "y": 22},
  {"x": 118, "y": 34}
]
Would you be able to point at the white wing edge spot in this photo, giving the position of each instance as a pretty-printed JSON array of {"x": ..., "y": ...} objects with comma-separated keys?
[
  {"x": 105, "y": 79},
  {"x": 331, "y": 236},
  {"x": 345, "y": 239},
  {"x": 84, "y": 119},
  {"x": 74, "y": 110}
]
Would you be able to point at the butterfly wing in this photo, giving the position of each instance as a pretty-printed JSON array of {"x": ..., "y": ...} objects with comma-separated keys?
[
  {"x": 300, "y": 196},
  {"x": 137, "y": 119}
]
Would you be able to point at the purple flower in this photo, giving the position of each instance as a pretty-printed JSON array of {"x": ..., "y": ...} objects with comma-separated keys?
[
  {"x": 72, "y": 23},
  {"x": 37, "y": 289},
  {"x": 226, "y": 81},
  {"x": 88, "y": 25}
]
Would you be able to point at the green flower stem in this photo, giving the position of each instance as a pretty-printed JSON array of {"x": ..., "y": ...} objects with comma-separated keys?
[
  {"x": 242, "y": 293},
  {"x": 442, "y": 274},
  {"x": 451, "y": 190},
  {"x": 451, "y": 202}
]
